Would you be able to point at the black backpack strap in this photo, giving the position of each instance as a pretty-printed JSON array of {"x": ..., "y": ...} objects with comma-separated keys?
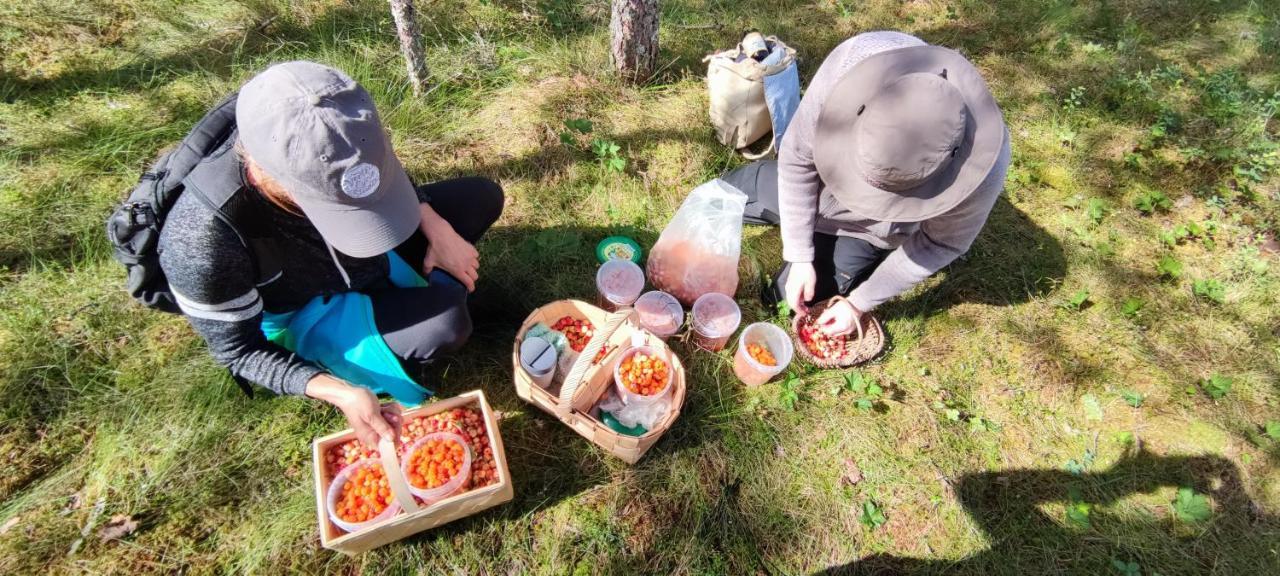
[{"x": 219, "y": 183}]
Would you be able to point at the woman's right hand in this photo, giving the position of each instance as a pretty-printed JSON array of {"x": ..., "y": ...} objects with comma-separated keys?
[
  {"x": 370, "y": 419},
  {"x": 801, "y": 282}
]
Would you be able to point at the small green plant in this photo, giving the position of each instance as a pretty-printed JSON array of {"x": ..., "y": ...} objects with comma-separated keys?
[
  {"x": 980, "y": 424},
  {"x": 1074, "y": 99},
  {"x": 1152, "y": 201},
  {"x": 1210, "y": 289},
  {"x": 1126, "y": 568},
  {"x": 1078, "y": 467},
  {"x": 789, "y": 393},
  {"x": 1132, "y": 307},
  {"x": 872, "y": 515},
  {"x": 574, "y": 126},
  {"x": 1096, "y": 210},
  {"x": 607, "y": 154},
  {"x": 1133, "y": 398},
  {"x": 866, "y": 389},
  {"x": 1077, "y": 509},
  {"x": 1216, "y": 386},
  {"x": 1077, "y": 301},
  {"x": 1191, "y": 507},
  {"x": 1273, "y": 429},
  {"x": 1092, "y": 408},
  {"x": 1169, "y": 267}
]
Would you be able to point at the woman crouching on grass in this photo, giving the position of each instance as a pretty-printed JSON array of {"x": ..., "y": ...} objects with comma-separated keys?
[{"x": 346, "y": 306}]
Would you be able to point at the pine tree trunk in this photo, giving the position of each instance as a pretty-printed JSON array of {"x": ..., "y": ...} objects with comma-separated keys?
[
  {"x": 634, "y": 31},
  {"x": 415, "y": 60}
]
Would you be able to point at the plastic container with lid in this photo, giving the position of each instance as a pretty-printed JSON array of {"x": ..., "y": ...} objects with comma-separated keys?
[
  {"x": 335, "y": 492},
  {"x": 771, "y": 338},
  {"x": 715, "y": 317},
  {"x": 430, "y": 495},
  {"x": 660, "y": 313},
  {"x": 629, "y": 397},
  {"x": 619, "y": 283},
  {"x": 538, "y": 358}
]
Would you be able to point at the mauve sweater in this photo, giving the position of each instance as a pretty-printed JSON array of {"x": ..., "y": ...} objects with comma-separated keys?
[{"x": 918, "y": 248}]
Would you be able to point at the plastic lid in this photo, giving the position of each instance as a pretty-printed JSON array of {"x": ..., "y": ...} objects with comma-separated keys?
[
  {"x": 618, "y": 248},
  {"x": 537, "y": 355},
  {"x": 620, "y": 281},
  {"x": 716, "y": 315}
]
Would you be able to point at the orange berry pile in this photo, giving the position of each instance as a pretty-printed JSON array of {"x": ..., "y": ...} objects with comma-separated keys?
[
  {"x": 644, "y": 374},
  {"x": 465, "y": 422},
  {"x": 364, "y": 495},
  {"x": 578, "y": 332},
  {"x": 347, "y": 453},
  {"x": 435, "y": 463},
  {"x": 761, "y": 355}
]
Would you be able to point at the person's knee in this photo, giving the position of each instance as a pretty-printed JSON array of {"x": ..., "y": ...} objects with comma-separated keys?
[
  {"x": 489, "y": 198},
  {"x": 442, "y": 334}
]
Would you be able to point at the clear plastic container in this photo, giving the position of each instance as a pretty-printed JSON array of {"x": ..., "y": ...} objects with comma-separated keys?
[
  {"x": 660, "y": 313},
  {"x": 629, "y": 397},
  {"x": 335, "y": 492},
  {"x": 773, "y": 339},
  {"x": 715, "y": 318},
  {"x": 430, "y": 495},
  {"x": 618, "y": 284}
]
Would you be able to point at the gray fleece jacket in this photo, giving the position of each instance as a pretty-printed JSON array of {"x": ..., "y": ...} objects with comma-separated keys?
[
  {"x": 919, "y": 249},
  {"x": 214, "y": 279}
]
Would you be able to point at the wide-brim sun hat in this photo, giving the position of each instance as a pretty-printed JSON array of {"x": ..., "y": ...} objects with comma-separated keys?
[{"x": 908, "y": 134}]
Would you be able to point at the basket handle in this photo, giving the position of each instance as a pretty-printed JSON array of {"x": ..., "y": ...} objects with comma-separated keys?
[
  {"x": 395, "y": 477},
  {"x": 579, "y": 370}
]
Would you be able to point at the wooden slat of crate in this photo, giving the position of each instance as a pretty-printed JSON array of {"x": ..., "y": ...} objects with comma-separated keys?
[{"x": 404, "y": 525}]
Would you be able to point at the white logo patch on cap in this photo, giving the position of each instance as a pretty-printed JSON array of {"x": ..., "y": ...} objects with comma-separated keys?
[{"x": 360, "y": 180}]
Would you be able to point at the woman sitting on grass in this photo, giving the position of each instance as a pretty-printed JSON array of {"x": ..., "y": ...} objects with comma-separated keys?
[
  {"x": 885, "y": 175},
  {"x": 344, "y": 308}
]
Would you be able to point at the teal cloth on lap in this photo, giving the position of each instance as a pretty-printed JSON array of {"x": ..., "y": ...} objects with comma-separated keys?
[{"x": 339, "y": 333}]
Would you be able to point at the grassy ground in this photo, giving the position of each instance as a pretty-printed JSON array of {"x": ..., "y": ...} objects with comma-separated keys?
[{"x": 1132, "y": 261}]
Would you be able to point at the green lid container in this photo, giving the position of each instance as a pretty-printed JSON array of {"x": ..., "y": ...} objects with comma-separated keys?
[{"x": 618, "y": 248}]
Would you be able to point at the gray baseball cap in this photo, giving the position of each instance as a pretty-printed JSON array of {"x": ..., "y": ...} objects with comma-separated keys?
[{"x": 316, "y": 132}]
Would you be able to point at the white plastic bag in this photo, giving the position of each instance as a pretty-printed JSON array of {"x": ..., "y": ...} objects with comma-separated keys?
[{"x": 698, "y": 250}]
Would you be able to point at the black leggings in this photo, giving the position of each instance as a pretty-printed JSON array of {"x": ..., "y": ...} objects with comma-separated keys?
[
  {"x": 842, "y": 262},
  {"x": 420, "y": 324}
]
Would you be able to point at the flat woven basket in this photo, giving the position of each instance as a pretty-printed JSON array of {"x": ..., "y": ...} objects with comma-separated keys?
[{"x": 857, "y": 350}]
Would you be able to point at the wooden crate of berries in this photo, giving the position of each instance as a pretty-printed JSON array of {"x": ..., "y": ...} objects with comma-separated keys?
[
  {"x": 369, "y": 502},
  {"x": 603, "y": 337}
]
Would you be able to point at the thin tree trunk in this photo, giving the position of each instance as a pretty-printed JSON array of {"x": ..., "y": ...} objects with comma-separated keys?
[
  {"x": 415, "y": 60},
  {"x": 634, "y": 44}
]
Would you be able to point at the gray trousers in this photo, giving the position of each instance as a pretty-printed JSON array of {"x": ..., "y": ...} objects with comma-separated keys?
[{"x": 841, "y": 262}]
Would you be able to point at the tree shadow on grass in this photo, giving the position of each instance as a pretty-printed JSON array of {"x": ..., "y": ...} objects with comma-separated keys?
[{"x": 1024, "y": 539}]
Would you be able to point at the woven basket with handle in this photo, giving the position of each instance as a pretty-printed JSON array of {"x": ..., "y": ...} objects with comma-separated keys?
[
  {"x": 587, "y": 381},
  {"x": 856, "y": 350}
]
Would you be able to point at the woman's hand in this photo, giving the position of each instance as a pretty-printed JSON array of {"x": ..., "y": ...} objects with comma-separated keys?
[
  {"x": 448, "y": 251},
  {"x": 841, "y": 318},
  {"x": 801, "y": 282},
  {"x": 370, "y": 419}
]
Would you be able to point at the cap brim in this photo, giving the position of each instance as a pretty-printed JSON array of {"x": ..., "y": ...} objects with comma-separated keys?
[
  {"x": 370, "y": 229},
  {"x": 835, "y": 149}
]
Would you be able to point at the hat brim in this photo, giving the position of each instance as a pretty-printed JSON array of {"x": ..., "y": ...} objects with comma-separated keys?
[
  {"x": 835, "y": 148},
  {"x": 370, "y": 229}
]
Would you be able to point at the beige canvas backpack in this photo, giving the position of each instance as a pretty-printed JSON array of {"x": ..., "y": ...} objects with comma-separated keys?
[{"x": 736, "y": 84}]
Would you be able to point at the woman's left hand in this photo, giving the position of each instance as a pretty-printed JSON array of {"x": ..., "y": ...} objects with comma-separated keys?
[
  {"x": 449, "y": 251},
  {"x": 840, "y": 319}
]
